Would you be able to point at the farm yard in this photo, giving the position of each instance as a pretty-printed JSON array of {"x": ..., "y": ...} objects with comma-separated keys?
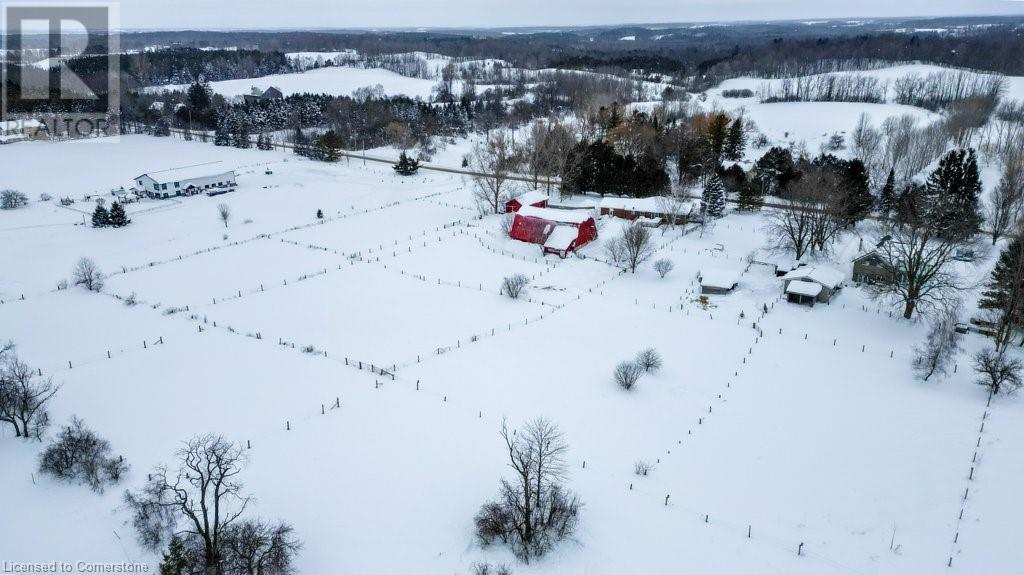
[{"x": 367, "y": 358}]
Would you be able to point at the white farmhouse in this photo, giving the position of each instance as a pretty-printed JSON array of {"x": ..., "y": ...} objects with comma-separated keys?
[{"x": 188, "y": 180}]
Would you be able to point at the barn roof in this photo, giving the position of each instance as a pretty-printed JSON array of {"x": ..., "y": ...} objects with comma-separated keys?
[
  {"x": 826, "y": 276},
  {"x": 631, "y": 204},
  {"x": 804, "y": 288},
  {"x": 719, "y": 278},
  {"x": 552, "y": 215},
  {"x": 187, "y": 173},
  {"x": 530, "y": 198},
  {"x": 561, "y": 238}
]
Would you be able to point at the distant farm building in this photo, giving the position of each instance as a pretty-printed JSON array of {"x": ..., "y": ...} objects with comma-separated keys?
[
  {"x": 648, "y": 211},
  {"x": 186, "y": 181},
  {"x": 807, "y": 285},
  {"x": 534, "y": 199},
  {"x": 718, "y": 281},
  {"x": 871, "y": 268},
  {"x": 256, "y": 95},
  {"x": 558, "y": 232}
]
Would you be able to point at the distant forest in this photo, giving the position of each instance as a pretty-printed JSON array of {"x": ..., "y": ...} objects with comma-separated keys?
[{"x": 713, "y": 51}]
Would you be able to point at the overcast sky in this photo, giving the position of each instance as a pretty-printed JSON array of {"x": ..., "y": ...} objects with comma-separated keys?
[{"x": 219, "y": 14}]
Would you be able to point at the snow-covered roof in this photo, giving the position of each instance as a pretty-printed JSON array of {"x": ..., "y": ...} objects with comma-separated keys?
[
  {"x": 631, "y": 204},
  {"x": 530, "y": 198},
  {"x": 826, "y": 276},
  {"x": 552, "y": 215},
  {"x": 719, "y": 278},
  {"x": 188, "y": 173},
  {"x": 561, "y": 238},
  {"x": 805, "y": 288}
]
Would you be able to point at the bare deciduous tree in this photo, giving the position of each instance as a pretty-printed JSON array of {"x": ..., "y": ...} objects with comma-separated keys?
[
  {"x": 997, "y": 372},
  {"x": 649, "y": 360},
  {"x": 224, "y": 213},
  {"x": 1004, "y": 205},
  {"x": 663, "y": 267},
  {"x": 637, "y": 246},
  {"x": 88, "y": 275},
  {"x": 493, "y": 161},
  {"x": 920, "y": 277},
  {"x": 23, "y": 397},
  {"x": 626, "y": 374},
  {"x": 200, "y": 500},
  {"x": 533, "y": 510},
  {"x": 936, "y": 353},
  {"x": 258, "y": 547},
  {"x": 513, "y": 285}
]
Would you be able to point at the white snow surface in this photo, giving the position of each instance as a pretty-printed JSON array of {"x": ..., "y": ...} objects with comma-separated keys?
[{"x": 799, "y": 425}]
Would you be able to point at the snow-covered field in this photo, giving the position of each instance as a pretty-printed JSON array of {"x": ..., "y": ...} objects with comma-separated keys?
[
  {"x": 335, "y": 80},
  {"x": 799, "y": 426}
]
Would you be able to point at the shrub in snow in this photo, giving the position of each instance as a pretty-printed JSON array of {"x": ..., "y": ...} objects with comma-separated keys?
[
  {"x": 45, "y": 197},
  {"x": 663, "y": 266},
  {"x": 626, "y": 374},
  {"x": 641, "y": 468},
  {"x": 649, "y": 360},
  {"x": 78, "y": 455},
  {"x": 533, "y": 511},
  {"x": 488, "y": 569},
  {"x": 997, "y": 372},
  {"x": 11, "y": 199},
  {"x": 940, "y": 346},
  {"x": 88, "y": 275},
  {"x": 513, "y": 285}
]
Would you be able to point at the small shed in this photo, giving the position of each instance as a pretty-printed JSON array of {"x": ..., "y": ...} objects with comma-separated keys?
[
  {"x": 871, "y": 268},
  {"x": 575, "y": 228},
  {"x": 803, "y": 292},
  {"x": 718, "y": 281},
  {"x": 830, "y": 280},
  {"x": 535, "y": 199}
]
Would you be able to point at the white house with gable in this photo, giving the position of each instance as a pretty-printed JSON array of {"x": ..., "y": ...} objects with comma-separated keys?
[{"x": 185, "y": 181}]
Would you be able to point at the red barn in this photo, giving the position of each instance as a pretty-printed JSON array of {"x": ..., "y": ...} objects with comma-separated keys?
[
  {"x": 534, "y": 199},
  {"x": 556, "y": 231}
]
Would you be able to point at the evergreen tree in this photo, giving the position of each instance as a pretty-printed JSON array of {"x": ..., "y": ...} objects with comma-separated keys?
[
  {"x": 887, "y": 198},
  {"x": 713, "y": 198},
  {"x": 775, "y": 170},
  {"x": 1004, "y": 292},
  {"x": 175, "y": 560},
  {"x": 736, "y": 141},
  {"x": 162, "y": 128},
  {"x": 750, "y": 197},
  {"x": 222, "y": 137},
  {"x": 100, "y": 217},
  {"x": 953, "y": 189},
  {"x": 328, "y": 147},
  {"x": 858, "y": 199},
  {"x": 300, "y": 143},
  {"x": 406, "y": 166},
  {"x": 717, "y": 136},
  {"x": 118, "y": 218},
  {"x": 241, "y": 135}
]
